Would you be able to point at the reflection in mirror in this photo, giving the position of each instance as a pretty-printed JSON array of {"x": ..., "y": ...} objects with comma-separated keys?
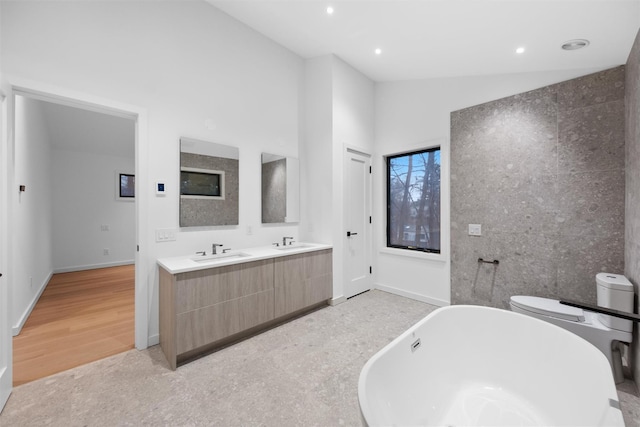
[
  {"x": 208, "y": 183},
  {"x": 280, "y": 189}
]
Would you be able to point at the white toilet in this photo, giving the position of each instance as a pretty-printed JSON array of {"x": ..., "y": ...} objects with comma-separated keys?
[{"x": 614, "y": 291}]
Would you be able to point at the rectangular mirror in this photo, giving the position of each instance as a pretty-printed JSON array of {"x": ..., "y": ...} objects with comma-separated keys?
[
  {"x": 209, "y": 183},
  {"x": 280, "y": 189}
]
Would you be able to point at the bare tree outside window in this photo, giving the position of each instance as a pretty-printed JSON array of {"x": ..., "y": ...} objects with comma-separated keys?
[{"x": 413, "y": 200}]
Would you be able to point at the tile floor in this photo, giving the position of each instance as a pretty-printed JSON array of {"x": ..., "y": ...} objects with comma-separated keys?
[{"x": 302, "y": 373}]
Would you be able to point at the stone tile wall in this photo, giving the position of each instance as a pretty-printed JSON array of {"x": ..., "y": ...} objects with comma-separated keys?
[
  {"x": 543, "y": 172},
  {"x": 632, "y": 200}
]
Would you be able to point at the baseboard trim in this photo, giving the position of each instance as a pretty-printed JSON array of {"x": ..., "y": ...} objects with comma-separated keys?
[
  {"x": 23, "y": 319},
  {"x": 338, "y": 300},
  {"x": 153, "y": 340},
  {"x": 92, "y": 266},
  {"x": 417, "y": 297}
]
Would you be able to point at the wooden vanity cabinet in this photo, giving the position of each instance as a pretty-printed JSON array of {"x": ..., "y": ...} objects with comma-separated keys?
[
  {"x": 206, "y": 309},
  {"x": 302, "y": 280}
]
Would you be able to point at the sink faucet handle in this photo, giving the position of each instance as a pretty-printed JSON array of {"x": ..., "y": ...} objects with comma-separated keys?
[
  {"x": 203, "y": 253},
  {"x": 284, "y": 240},
  {"x": 224, "y": 251},
  {"x": 213, "y": 248},
  {"x": 276, "y": 244}
]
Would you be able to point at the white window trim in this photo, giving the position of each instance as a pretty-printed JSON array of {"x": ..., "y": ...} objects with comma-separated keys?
[{"x": 210, "y": 172}]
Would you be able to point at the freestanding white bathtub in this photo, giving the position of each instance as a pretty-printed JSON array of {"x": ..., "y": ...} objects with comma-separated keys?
[{"x": 471, "y": 366}]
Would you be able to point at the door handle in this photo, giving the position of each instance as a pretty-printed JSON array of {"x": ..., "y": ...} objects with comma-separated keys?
[{"x": 349, "y": 234}]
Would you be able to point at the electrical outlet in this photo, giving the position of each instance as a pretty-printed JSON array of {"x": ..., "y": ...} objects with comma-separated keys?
[
  {"x": 30, "y": 282},
  {"x": 475, "y": 229},
  {"x": 104, "y": 227},
  {"x": 249, "y": 230},
  {"x": 105, "y": 251}
]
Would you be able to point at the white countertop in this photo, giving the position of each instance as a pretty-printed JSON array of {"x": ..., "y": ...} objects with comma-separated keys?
[{"x": 194, "y": 262}]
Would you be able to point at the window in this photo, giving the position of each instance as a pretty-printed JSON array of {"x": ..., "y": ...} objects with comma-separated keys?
[
  {"x": 126, "y": 186},
  {"x": 413, "y": 200},
  {"x": 201, "y": 183}
]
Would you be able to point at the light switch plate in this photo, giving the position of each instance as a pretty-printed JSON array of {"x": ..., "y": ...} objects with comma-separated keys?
[
  {"x": 165, "y": 235},
  {"x": 475, "y": 229}
]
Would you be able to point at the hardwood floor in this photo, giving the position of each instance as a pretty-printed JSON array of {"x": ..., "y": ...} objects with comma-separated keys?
[{"x": 81, "y": 317}]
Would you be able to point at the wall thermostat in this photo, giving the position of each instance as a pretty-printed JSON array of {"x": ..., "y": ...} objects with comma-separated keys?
[{"x": 160, "y": 188}]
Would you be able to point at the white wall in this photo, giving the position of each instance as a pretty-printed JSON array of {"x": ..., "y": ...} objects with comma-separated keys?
[
  {"x": 84, "y": 199},
  {"x": 353, "y": 95},
  {"x": 338, "y": 113},
  {"x": 184, "y": 63},
  {"x": 353, "y": 107},
  {"x": 410, "y": 115},
  {"x": 316, "y": 168},
  {"x": 31, "y": 217}
]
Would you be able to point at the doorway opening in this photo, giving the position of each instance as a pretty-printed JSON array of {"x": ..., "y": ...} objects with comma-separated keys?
[{"x": 73, "y": 236}]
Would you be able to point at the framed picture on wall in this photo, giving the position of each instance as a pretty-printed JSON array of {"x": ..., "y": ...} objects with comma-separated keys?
[{"x": 125, "y": 186}]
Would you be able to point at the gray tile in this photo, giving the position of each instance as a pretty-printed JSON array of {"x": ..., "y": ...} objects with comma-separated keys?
[
  {"x": 632, "y": 181},
  {"x": 581, "y": 258},
  {"x": 630, "y": 403},
  {"x": 591, "y": 203},
  {"x": 301, "y": 373},
  {"x": 527, "y": 266},
  {"x": 516, "y": 135},
  {"x": 543, "y": 172},
  {"x": 504, "y": 202},
  {"x": 592, "y": 89},
  {"x": 591, "y": 138},
  {"x": 249, "y": 383}
]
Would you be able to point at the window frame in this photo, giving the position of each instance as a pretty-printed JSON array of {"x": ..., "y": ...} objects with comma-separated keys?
[
  {"x": 118, "y": 180},
  {"x": 221, "y": 183},
  {"x": 387, "y": 160}
]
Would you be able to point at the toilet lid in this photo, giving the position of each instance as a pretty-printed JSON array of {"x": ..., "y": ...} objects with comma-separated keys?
[{"x": 548, "y": 307}]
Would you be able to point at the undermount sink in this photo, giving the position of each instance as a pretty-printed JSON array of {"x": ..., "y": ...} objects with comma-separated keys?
[
  {"x": 218, "y": 257},
  {"x": 294, "y": 246}
]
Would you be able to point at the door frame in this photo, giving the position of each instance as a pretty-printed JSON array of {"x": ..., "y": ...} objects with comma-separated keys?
[
  {"x": 348, "y": 151},
  {"x": 6, "y": 342},
  {"x": 89, "y": 102}
]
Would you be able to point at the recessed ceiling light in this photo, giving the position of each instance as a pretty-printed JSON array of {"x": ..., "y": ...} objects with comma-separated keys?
[
  {"x": 329, "y": 10},
  {"x": 520, "y": 50},
  {"x": 575, "y": 44},
  {"x": 378, "y": 51}
]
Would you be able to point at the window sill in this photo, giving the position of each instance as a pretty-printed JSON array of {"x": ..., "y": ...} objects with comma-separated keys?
[{"x": 414, "y": 254}]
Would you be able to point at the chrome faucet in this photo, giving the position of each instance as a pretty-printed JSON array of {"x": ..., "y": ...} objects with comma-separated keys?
[
  {"x": 284, "y": 240},
  {"x": 213, "y": 248}
]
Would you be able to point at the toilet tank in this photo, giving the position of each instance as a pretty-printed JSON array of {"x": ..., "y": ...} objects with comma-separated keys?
[{"x": 615, "y": 291}]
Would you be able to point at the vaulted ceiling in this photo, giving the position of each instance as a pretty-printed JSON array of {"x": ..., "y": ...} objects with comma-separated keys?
[{"x": 443, "y": 38}]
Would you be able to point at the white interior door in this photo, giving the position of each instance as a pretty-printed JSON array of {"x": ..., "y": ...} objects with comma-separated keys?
[
  {"x": 6, "y": 349},
  {"x": 357, "y": 262}
]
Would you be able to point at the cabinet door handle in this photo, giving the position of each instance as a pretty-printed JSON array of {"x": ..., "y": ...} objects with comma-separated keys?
[{"x": 349, "y": 234}]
